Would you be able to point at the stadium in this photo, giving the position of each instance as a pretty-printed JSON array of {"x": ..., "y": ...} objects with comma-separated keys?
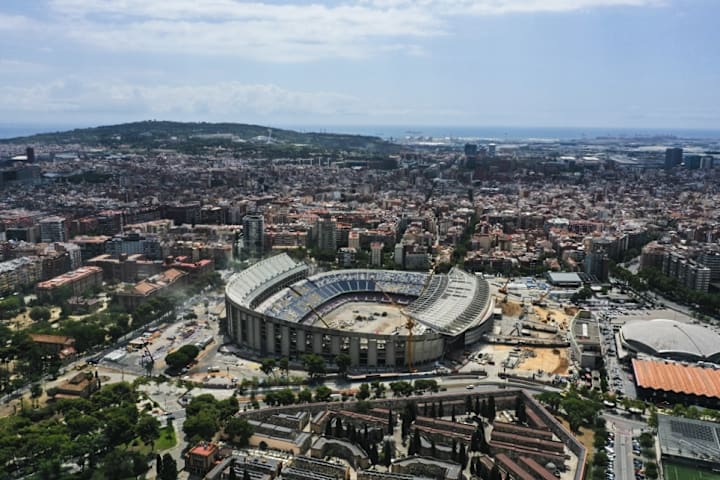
[{"x": 382, "y": 319}]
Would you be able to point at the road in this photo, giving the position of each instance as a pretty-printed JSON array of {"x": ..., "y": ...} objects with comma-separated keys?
[{"x": 624, "y": 429}]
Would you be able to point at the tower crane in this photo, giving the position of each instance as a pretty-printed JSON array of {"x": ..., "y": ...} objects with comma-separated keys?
[{"x": 148, "y": 361}]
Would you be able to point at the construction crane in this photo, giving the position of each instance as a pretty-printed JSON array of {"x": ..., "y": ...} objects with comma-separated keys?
[
  {"x": 409, "y": 325},
  {"x": 148, "y": 361},
  {"x": 319, "y": 316},
  {"x": 539, "y": 302},
  {"x": 504, "y": 289}
]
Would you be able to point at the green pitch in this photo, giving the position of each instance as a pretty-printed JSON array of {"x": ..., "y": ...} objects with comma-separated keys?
[{"x": 674, "y": 471}]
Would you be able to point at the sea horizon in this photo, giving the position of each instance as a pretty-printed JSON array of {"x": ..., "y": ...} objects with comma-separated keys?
[{"x": 401, "y": 132}]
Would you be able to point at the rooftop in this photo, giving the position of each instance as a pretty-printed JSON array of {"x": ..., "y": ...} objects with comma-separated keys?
[{"x": 677, "y": 378}]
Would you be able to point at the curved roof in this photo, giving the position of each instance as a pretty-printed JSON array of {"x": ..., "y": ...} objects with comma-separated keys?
[
  {"x": 669, "y": 338},
  {"x": 453, "y": 303},
  {"x": 448, "y": 304},
  {"x": 244, "y": 287}
]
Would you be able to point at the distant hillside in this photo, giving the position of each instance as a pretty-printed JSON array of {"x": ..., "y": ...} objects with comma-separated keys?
[{"x": 153, "y": 134}]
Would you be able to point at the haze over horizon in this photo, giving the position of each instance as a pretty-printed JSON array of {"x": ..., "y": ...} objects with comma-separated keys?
[{"x": 523, "y": 63}]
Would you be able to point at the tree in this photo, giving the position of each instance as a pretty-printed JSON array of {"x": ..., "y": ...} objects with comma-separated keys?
[
  {"x": 231, "y": 474},
  {"x": 40, "y": 314},
  {"x": 343, "y": 362},
  {"x": 452, "y": 414},
  {"x": 284, "y": 366},
  {"x": 181, "y": 357},
  {"x": 267, "y": 366},
  {"x": 520, "y": 412},
  {"x": 158, "y": 466},
  {"x": 468, "y": 404},
  {"x": 328, "y": 428},
  {"x": 148, "y": 429},
  {"x": 314, "y": 364},
  {"x": 239, "y": 430},
  {"x": 491, "y": 409},
  {"x": 414, "y": 447},
  {"x": 338, "y": 428},
  {"x": 322, "y": 394},
  {"x": 119, "y": 426},
  {"x": 305, "y": 396},
  {"x": 391, "y": 422},
  {"x": 651, "y": 470},
  {"x": 373, "y": 454},
  {"x": 169, "y": 469},
  {"x": 462, "y": 457},
  {"x": 202, "y": 425},
  {"x": 495, "y": 473},
  {"x": 363, "y": 392},
  {"x": 387, "y": 454}
]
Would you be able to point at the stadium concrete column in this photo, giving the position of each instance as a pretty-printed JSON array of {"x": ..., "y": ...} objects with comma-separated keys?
[
  {"x": 270, "y": 337},
  {"x": 372, "y": 353},
  {"x": 335, "y": 345},
  {"x": 301, "y": 341},
  {"x": 256, "y": 340},
  {"x": 390, "y": 353},
  {"x": 355, "y": 350},
  {"x": 317, "y": 343},
  {"x": 285, "y": 340},
  {"x": 231, "y": 321}
]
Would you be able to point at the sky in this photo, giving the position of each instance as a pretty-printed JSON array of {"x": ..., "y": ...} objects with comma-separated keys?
[{"x": 564, "y": 63}]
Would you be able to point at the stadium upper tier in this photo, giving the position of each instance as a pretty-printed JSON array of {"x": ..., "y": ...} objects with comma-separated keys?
[
  {"x": 251, "y": 286},
  {"x": 453, "y": 303},
  {"x": 294, "y": 303},
  {"x": 449, "y": 304}
]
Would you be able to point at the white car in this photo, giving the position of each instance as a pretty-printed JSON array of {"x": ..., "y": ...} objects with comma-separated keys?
[{"x": 470, "y": 387}]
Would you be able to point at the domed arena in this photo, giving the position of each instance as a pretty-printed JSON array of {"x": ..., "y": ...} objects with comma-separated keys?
[{"x": 672, "y": 340}]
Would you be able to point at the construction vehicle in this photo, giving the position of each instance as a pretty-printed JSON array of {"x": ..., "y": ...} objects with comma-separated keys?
[{"x": 540, "y": 300}]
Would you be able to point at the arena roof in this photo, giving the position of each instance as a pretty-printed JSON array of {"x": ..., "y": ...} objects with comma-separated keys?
[
  {"x": 677, "y": 378},
  {"x": 669, "y": 338}
]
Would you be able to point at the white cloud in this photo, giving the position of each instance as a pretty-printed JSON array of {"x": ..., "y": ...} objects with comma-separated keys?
[
  {"x": 77, "y": 96},
  {"x": 280, "y": 31}
]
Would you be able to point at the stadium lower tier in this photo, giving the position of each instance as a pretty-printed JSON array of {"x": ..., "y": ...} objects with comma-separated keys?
[{"x": 264, "y": 336}]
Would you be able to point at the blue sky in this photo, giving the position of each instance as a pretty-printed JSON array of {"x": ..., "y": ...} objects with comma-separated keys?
[{"x": 589, "y": 63}]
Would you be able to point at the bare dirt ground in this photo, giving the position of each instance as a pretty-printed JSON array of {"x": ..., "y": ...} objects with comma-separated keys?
[
  {"x": 511, "y": 309},
  {"x": 550, "y": 360},
  {"x": 366, "y": 317},
  {"x": 558, "y": 316}
]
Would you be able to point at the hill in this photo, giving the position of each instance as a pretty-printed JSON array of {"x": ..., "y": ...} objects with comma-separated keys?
[{"x": 158, "y": 134}]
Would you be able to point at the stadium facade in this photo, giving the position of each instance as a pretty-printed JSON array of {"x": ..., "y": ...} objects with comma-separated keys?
[{"x": 273, "y": 308}]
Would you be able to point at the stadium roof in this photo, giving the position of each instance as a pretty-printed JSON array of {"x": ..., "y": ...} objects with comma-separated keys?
[
  {"x": 244, "y": 287},
  {"x": 453, "y": 303},
  {"x": 669, "y": 338},
  {"x": 677, "y": 378}
]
